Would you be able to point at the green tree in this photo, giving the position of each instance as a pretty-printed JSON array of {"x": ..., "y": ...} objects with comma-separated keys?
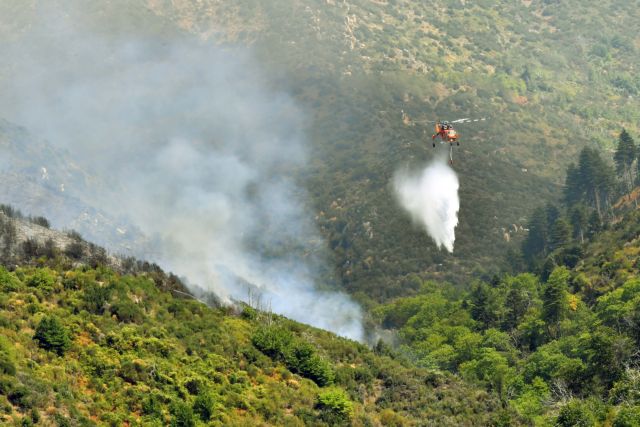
[
  {"x": 594, "y": 224},
  {"x": 559, "y": 234},
  {"x": 579, "y": 221},
  {"x": 490, "y": 368},
  {"x": 481, "y": 304},
  {"x": 576, "y": 414},
  {"x": 573, "y": 188},
  {"x": 535, "y": 243},
  {"x": 182, "y": 415},
  {"x": 554, "y": 296},
  {"x": 52, "y": 335},
  {"x": 517, "y": 302},
  {"x": 204, "y": 406},
  {"x": 335, "y": 406},
  {"x": 624, "y": 156},
  {"x": 595, "y": 179}
]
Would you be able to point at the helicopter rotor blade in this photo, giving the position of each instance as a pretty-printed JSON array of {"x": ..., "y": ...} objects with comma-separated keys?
[{"x": 468, "y": 120}]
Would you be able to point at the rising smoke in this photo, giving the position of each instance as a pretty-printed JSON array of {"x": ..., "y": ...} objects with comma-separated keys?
[
  {"x": 194, "y": 148},
  {"x": 430, "y": 196}
]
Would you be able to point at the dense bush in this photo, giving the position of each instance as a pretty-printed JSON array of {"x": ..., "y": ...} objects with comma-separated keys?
[
  {"x": 335, "y": 406},
  {"x": 96, "y": 297},
  {"x": 300, "y": 357},
  {"x": 43, "y": 279},
  {"x": 127, "y": 311},
  {"x": 8, "y": 281},
  {"x": 7, "y": 357},
  {"x": 204, "y": 406},
  {"x": 52, "y": 335},
  {"x": 182, "y": 415}
]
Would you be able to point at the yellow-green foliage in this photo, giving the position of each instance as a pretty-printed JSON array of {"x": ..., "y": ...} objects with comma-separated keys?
[{"x": 91, "y": 347}]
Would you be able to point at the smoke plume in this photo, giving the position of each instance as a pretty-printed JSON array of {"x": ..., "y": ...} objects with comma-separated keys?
[
  {"x": 430, "y": 197},
  {"x": 192, "y": 146}
]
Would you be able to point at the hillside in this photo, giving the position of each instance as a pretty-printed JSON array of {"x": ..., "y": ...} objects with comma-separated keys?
[
  {"x": 123, "y": 343},
  {"x": 559, "y": 348},
  {"x": 550, "y": 77},
  {"x": 250, "y": 148},
  {"x": 84, "y": 346}
]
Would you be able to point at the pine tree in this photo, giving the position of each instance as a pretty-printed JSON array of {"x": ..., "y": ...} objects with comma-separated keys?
[
  {"x": 625, "y": 155},
  {"x": 596, "y": 180},
  {"x": 554, "y": 296},
  {"x": 516, "y": 303},
  {"x": 594, "y": 224},
  {"x": 559, "y": 234},
  {"x": 52, "y": 335},
  {"x": 573, "y": 188},
  {"x": 536, "y": 242},
  {"x": 553, "y": 213},
  {"x": 579, "y": 217},
  {"x": 481, "y": 304}
]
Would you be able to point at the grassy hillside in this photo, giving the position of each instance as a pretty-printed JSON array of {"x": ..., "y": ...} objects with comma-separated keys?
[
  {"x": 83, "y": 346},
  {"x": 92, "y": 340}
]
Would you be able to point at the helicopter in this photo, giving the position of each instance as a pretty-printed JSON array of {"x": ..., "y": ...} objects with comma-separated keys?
[
  {"x": 447, "y": 133},
  {"x": 444, "y": 129}
]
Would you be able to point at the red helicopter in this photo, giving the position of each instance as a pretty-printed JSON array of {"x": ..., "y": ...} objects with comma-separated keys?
[
  {"x": 444, "y": 129},
  {"x": 446, "y": 132}
]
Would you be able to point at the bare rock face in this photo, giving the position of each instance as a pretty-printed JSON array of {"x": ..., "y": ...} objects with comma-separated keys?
[
  {"x": 43, "y": 181},
  {"x": 19, "y": 235},
  {"x": 26, "y": 230}
]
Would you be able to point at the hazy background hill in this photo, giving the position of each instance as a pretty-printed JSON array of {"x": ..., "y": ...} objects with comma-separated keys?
[{"x": 550, "y": 77}]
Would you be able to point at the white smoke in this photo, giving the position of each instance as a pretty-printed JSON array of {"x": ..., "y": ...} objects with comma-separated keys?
[
  {"x": 430, "y": 197},
  {"x": 196, "y": 149}
]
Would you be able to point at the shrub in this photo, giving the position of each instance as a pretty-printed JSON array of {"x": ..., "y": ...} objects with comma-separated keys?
[
  {"x": 303, "y": 360},
  {"x": 194, "y": 386},
  {"x": 74, "y": 250},
  {"x": 628, "y": 416},
  {"x": 335, "y": 406},
  {"x": 272, "y": 341},
  {"x": 134, "y": 371},
  {"x": 8, "y": 281},
  {"x": 182, "y": 415},
  {"x": 96, "y": 298},
  {"x": 299, "y": 356},
  {"x": 41, "y": 221},
  {"x": 152, "y": 406},
  {"x": 127, "y": 312},
  {"x": 575, "y": 414},
  {"x": 7, "y": 358},
  {"x": 52, "y": 335},
  {"x": 204, "y": 406},
  {"x": 249, "y": 313},
  {"x": 43, "y": 278},
  {"x": 20, "y": 396}
]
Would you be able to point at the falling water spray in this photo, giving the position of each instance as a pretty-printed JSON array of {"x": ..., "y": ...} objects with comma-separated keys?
[{"x": 430, "y": 196}]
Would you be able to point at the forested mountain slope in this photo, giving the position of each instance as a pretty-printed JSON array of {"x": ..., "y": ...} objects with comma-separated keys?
[
  {"x": 549, "y": 76},
  {"x": 84, "y": 346},
  {"x": 558, "y": 348}
]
